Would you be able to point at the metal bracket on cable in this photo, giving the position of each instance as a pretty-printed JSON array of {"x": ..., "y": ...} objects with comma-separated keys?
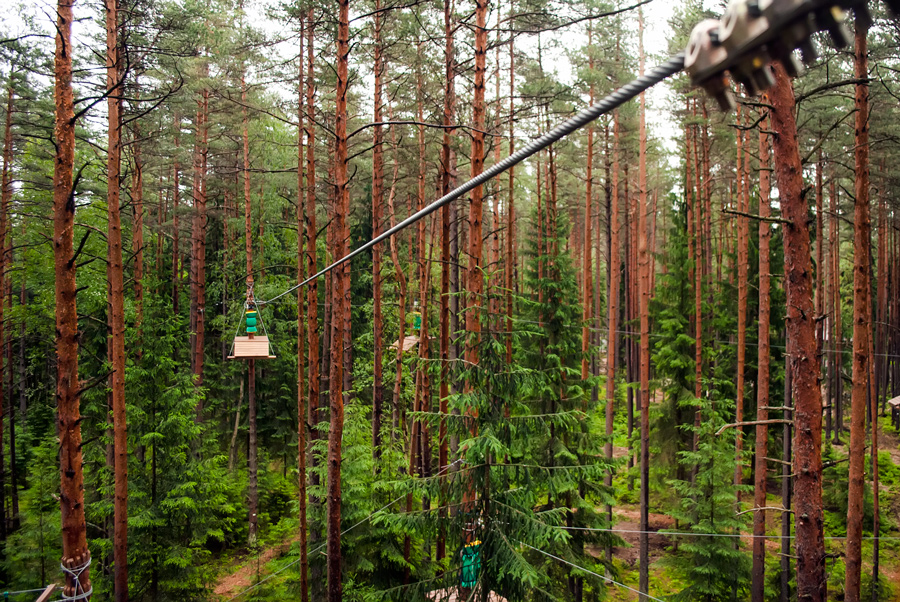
[{"x": 753, "y": 33}]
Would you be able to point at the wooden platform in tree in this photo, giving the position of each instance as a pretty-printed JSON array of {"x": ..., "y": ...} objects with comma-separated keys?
[
  {"x": 452, "y": 594},
  {"x": 408, "y": 342},
  {"x": 246, "y": 348}
]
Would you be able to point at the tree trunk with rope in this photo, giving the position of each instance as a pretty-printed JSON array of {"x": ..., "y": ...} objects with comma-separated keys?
[{"x": 76, "y": 556}]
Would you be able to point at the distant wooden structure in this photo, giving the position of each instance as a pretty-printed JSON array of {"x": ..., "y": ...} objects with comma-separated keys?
[
  {"x": 894, "y": 404},
  {"x": 251, "y": 348},
  {"x": 452, "y": 594},
  {"x": 408, "y": 342}
]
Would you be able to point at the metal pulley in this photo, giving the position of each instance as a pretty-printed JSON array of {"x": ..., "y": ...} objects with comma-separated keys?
[{"x": 754, "y": 33}]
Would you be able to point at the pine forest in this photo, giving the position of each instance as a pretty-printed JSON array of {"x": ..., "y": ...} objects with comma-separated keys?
[{"x": 655, "y": 357}]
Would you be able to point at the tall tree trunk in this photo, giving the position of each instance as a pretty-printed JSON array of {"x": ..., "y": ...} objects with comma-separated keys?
[
  {"x": 873, "y": 413},
  {"x": 446, "y": 257},
  {"x": 377, "y": 219},
  {"x": 743, "y": 246},
  {"x": 861, "y": 326},
  {"x": 762, "y": 385},
  {"x": 137, "y": 236},
  {"x": 176, "y": 235},
  {"x": 252, "y": 452},
  {"x": 612, "y": 313},
  {"x": 810, "y": 545},
  {"x": 116, "y": 286},
  {"x": 586, "y": 263},
  {"x": 302, "y": 316},
  {"x": 71, "y": 500},
  {"x": 5, "y": 259},
  {"x": 402, "y": 289},
  {"x": 509, "y": 268},
  {"x": 198, "y": 261},
  {"x": 837, "y": 354},
  {"x": 821, "y": 285},
  {"x": 341, "y": 305},
  {"x": 475, "y": 279},
  {"x": 312, "y": 293},
  {"x": 645, "y": 266},
  {"x": 786, "y": 485},
  {"x": 694, "y": 241}
]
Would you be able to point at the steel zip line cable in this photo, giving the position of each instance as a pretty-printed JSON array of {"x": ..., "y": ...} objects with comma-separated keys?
[{"x": 576, "y": 122}]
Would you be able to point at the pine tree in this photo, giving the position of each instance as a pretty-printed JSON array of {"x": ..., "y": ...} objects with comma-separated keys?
[{"x": 713, "y": 566}]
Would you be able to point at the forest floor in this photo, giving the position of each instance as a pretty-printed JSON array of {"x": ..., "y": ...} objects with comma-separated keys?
[{"x": 246, "y": 569}]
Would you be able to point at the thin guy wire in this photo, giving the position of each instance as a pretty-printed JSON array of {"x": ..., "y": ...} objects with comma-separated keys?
[
  {"x": 24, "y": 591},
  {"x": 316, "y": 551},
  {"x": 578, "y": 121},
  {"x": 685, "y": 533},
  {"x": 581, "y": 568},
  {"x": 344, "y": 532}
]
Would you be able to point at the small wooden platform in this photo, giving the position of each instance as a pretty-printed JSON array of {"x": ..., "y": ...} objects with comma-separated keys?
[
  {"x": 894, "y": 404},
  {"x": 246, "y": 348},
  {"x": 452, "y": 594},
  {"x": 408, "y": 342}
]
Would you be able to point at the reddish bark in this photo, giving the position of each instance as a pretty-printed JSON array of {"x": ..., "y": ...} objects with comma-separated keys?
[
  {"x": 810, "y": 544},
  {"x": 176, "y": 235},
  {"x": 475, "y": 279},
  {"x": 511, "y": 195},
  {"x": 377, "y": 219},
  {"x": 446, "y": 258},
  {"x": 312, "y": 294},
  {"x": 71, "y": 499},
  {"x": 137, "y": 236},
  {"x": 743, "y": 247},
  {"x": 645, "y": 265},
  {"x": 861, "y": 325},
  {"x": 694, "y": 241},
  {"x": 758, "y": 587},
  {"x": 698, "y": 278},
  {"x": 340, "y": 296},
  {"x": 116, "y": 291},
  {"x": 401, "y": 285},
  {"x": 821, "y": 285},
  {"x": 586, "y": 265},
  {"x": 873, "y": 425},
  {"x": 301, "y": 335},
  {"x": 613, "y": 266},
  {"x": 252, "y": 462},
  {"x": 199, "y": 226}
]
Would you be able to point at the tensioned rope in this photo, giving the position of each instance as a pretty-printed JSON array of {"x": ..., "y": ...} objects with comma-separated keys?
[
  {"x": 576, "y": 122},
  {"x": 344, "y": 532},
  {"x": 316, "y": 551},
  {"x": 581, "y": 568},
  {"x": 732, "y": 535}
]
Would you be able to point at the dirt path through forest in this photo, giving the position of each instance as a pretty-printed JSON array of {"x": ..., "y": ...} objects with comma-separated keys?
[{"x": 245, "y": 575}]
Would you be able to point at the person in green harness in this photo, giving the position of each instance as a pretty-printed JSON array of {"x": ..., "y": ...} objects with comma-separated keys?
[
  {"x": 416, "y": 317},
  {"x": 250, "y": 318},
  {"x": 471, "y": 565}
]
